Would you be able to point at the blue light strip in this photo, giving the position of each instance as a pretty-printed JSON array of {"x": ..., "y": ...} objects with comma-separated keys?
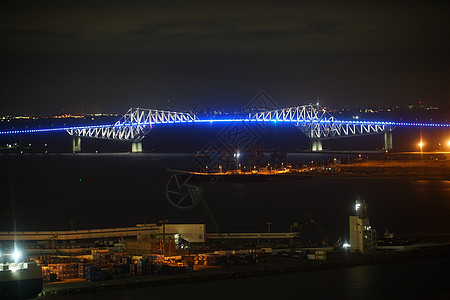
[
  {"x": 341, "y": 122},
  {"x": 26, "y": 131}
]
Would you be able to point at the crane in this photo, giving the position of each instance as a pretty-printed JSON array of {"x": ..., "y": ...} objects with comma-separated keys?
[{"x": 322, "y": 233}]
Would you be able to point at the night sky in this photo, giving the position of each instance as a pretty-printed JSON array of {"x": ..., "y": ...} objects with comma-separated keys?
[{"x": 88, "y": 56}]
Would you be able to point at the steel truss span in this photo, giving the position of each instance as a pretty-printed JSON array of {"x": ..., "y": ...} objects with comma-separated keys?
[
  {"x": 133, "y": 133},
  {"x": 305, "y": 113},
  {"x": 331, "y": 130},
  {"x": 134, "y": 125},
  {"x": 317, "y": 123}
]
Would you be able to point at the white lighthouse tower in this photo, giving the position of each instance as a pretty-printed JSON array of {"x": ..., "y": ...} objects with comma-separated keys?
[{"x": 363, "y": 238}]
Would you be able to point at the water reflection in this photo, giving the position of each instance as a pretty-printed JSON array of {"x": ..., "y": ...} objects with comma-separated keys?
[{"x": 122, "y": 189}]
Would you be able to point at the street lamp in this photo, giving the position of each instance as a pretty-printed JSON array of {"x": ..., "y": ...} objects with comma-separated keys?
[
  {"x": 236, "y": 155},
  {"x": 421, "y": 149}
]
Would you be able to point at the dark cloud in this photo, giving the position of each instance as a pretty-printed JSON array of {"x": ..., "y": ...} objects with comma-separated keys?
[
  {"x": 299, "y": 29},
  {"x": 323, "y": 26},
  {"x": 122, "y": 53},
  {"x": 292, "y": 26},
  {"x": 188, "y": 27},
  {"x": 36, "y": 34}
]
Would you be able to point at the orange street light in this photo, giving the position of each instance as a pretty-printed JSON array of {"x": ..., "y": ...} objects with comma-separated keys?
[{"x": 421, "y": 149}]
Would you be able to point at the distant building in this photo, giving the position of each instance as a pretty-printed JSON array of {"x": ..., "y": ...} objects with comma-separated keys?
[{"x": 363, "y": 238}]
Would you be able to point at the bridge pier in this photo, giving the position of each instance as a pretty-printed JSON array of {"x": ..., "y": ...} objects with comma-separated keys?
[
  {"x": 316, "y": 145},
  {"x": 76, "y": 144},
  {"x": 136, "y": 147},
  {"x": 387, "y": 138}
]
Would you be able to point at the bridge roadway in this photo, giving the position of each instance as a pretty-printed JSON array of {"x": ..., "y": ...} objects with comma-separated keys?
[
  {"x": 344, "y": 122},
  {"x": 306, "y": 115},
  {"x": 316, "y": 123}
]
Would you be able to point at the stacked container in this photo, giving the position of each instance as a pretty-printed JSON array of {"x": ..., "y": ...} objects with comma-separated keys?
[
  {"x": 94, "y": 273},
  {"x": 64, "y": 271}
]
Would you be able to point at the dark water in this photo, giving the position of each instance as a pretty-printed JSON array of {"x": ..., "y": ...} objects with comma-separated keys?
[
  {"x": 48, "y": 191},
  {"x": 424, "y": 279}
]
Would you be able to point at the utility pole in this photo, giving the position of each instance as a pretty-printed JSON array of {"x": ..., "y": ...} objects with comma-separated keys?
[
  {"x": 164, "y": 222},
  {"x": 268, "y": 229}
]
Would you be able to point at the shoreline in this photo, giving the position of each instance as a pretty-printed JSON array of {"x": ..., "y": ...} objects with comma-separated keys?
[
  {"x": 407, "y": 170},
  {"x": 378, "y": 177},
  {"x": 273, "y": 266}
]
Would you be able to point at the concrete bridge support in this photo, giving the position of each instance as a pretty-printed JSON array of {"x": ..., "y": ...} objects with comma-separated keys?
[
  {"x": 136, "y": 147},
  {"x": 387, "y": 138},
  {"x": 76, "y": 144},
  {"x": 316, "y": 145}
]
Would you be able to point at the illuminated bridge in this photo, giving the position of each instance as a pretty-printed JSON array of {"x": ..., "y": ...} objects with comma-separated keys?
[{"x": 315, "y": 122}]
